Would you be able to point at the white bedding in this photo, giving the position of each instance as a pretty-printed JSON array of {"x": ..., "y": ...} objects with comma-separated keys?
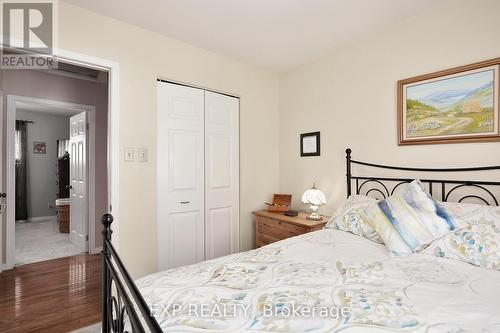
[{"x": 324, "y": 270}]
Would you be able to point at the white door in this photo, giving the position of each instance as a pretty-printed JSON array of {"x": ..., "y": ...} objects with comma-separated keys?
[
  {"x": 78, "y": 182},
  {"x": 221, "y": 175},
  {"x": 180, "y": 175}
]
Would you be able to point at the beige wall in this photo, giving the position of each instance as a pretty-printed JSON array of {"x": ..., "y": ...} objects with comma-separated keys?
[
  {"x": 143, "y": 56},
  {"x": 351, "y": 97}
]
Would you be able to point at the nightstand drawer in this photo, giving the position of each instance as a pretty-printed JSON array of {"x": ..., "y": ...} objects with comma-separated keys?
[
  {"x": 272, "y": 227},
  {"x": 263, "y": 239},
  {"x": 278, "y": 229}
]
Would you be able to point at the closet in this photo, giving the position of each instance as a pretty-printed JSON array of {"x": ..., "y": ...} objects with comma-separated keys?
[{"x": 197, "y": 175}]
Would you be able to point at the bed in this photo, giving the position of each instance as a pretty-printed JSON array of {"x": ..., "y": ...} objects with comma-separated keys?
[{"x": 324, "y": 281}]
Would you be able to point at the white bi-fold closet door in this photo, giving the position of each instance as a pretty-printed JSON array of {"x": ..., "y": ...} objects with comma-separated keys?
[{"x": 197, "y": 175}]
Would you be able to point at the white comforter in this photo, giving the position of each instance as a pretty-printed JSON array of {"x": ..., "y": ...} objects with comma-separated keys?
[{"x": 326, "y": 269}]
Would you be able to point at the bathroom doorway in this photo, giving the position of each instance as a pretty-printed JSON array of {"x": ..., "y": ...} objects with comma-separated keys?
[{"x": 57, "y": 154}]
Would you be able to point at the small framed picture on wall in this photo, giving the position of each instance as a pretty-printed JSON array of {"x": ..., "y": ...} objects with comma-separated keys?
[
  {"x": 39, "y": 148},
  {"x": 310, "y": 144}
]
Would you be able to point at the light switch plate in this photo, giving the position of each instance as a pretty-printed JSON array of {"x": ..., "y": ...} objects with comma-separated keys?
[
  {"x": 129, "y": 154},
  {"x": 142, "y": 154}
]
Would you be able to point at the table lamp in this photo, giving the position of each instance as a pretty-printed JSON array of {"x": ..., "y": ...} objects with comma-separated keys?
[{"x": 314, "y": 198}]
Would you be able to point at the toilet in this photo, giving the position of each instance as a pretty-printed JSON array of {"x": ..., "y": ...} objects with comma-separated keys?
[{"x": 63, "y": 206}]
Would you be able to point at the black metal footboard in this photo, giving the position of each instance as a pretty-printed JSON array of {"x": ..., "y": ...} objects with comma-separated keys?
[{"x": 123, "y": 307}]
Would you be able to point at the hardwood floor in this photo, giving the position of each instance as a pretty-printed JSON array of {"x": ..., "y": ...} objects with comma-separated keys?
[{"x": 54, "y": 296}]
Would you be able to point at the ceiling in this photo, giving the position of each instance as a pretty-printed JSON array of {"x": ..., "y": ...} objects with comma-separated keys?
[
  {"x": 46, "y": 108},
  {"x": 276, "y": 34}
]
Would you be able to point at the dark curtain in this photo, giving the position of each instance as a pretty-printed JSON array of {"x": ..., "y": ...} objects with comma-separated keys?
[{"x": 21, "y": 151}]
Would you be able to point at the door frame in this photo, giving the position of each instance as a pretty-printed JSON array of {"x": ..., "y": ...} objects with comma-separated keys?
[
  {"x": 113, "y": 69},
  {"x": 10, "y": 161}
]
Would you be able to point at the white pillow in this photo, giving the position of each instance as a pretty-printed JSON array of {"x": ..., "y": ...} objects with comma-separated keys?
[
  {"x": 471, "y": 213},
  {"x": 350, "y": 217},
  {"x": 410, "y": 220},
  {"x": 478, "y": 243}
]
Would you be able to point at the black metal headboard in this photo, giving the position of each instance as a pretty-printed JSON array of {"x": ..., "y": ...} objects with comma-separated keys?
[{"x": 386, "y": 186}]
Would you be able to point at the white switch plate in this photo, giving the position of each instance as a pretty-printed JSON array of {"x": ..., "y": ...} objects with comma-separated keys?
[
  {"x": 142, "y": 154},
  {"x": 129, "y": 154}
]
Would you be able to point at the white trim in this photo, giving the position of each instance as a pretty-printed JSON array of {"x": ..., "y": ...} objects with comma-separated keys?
[
  {"x": 114, "y": 147},
  {"x": 10, "y": 232},
  {"x": 113, "y": 69},
  {"x": 91, "y": 186},
  {"x": 11, "y": 116}
]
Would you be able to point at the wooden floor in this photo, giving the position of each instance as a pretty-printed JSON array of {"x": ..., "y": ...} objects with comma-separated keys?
[{"x": 54, "y": 296}]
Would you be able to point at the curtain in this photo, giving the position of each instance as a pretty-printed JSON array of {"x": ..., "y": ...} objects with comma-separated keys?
[
  {"x": 62, "y": 147},
  {"x": 21, "y": 151}
]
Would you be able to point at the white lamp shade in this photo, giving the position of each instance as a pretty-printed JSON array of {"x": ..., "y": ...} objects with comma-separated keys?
[{"x": 314, "y": 196}]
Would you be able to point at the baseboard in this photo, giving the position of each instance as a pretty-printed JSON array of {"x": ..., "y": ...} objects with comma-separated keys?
[
  {"x": 5, "y": 267},
  {"x": 42, "y": 218}
]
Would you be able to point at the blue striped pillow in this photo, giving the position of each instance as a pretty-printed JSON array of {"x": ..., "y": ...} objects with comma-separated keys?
[{"x": 410, "y": 220}]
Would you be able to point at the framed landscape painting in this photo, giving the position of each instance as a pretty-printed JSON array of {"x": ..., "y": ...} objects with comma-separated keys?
[{"x": 456, "y": 105}]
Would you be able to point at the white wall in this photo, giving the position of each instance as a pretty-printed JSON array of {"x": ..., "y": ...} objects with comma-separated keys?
[
  {"x": 41, "y": 179},
  {"x": 143, "y": 56},
  {"x": 351, "y": 97}
]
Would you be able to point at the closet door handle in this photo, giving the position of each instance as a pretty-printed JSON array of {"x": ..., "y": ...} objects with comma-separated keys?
[{"x": 183, "y": 202}]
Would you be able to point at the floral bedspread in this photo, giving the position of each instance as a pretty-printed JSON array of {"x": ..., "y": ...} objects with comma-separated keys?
[{"x": 325, "y": 281}]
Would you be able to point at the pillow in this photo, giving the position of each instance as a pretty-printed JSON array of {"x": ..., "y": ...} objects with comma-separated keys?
[
  {"x": 472, "y": 213},
  {"x": 350, "y": 217},
  {"x": 410, "y": 220},
  {"x": 469, "y": 212},
  {"x": 478, "y": 243}
]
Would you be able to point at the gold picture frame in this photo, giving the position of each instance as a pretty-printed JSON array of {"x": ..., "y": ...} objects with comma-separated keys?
[{"x": 456, "y": 105}]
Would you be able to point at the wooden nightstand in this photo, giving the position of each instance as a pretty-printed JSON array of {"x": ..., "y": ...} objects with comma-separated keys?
[{"x": 272, "y": 227}]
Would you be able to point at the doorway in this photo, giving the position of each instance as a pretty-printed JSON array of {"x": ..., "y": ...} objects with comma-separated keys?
[
  {"x": 111, "y": 165},
  {"x": 54, "y": 213},
  {"x": 63, "y": 134}
]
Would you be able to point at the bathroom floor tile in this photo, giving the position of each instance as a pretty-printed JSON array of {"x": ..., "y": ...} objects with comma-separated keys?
[{"x": 40, "y": 241}]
